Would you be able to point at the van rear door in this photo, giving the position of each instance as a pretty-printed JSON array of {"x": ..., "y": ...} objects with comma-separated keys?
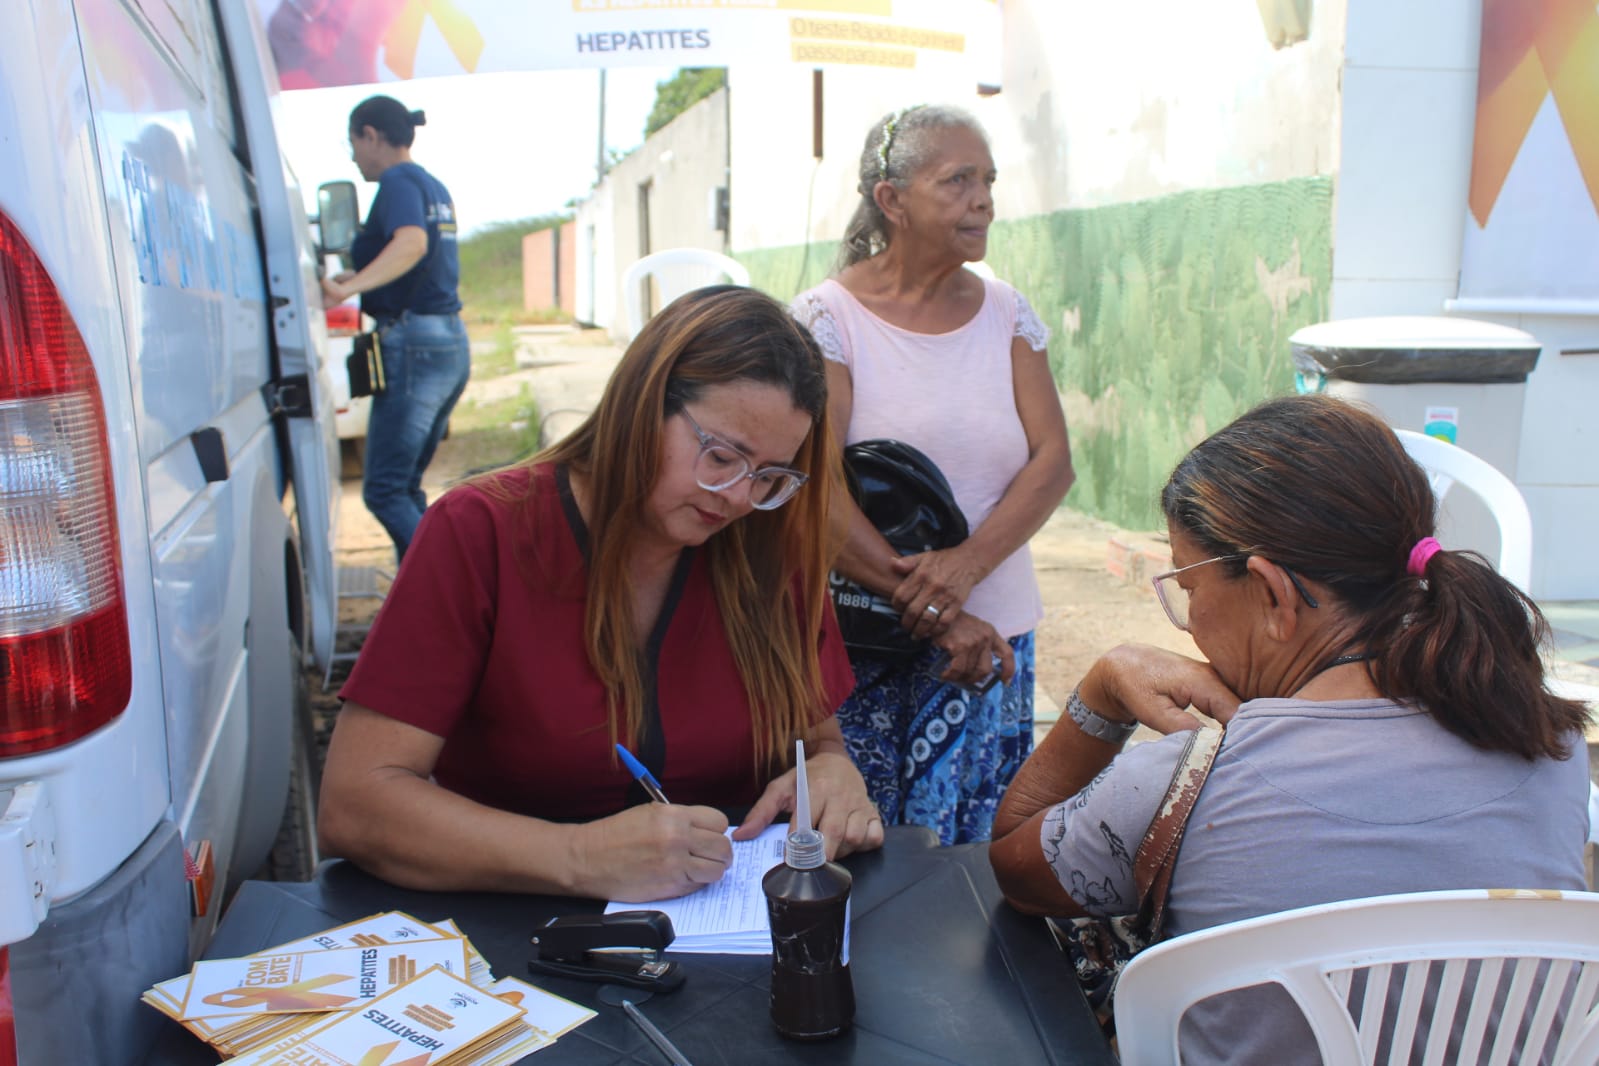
[{"x": 305, "y": 386}]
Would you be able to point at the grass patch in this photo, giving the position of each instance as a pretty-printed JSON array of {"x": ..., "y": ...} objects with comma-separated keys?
[
  {"x": 489, "y": 435},
  {"x": 498, "y": 360},
  {"x": 491, "y": 273},
  {"x": 481, "y": 313}
]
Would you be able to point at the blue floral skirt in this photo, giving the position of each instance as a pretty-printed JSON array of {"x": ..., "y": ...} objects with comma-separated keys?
[{"x": 932, "y": 753}]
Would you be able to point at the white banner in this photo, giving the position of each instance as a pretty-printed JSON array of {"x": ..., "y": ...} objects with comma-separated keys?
[
  {"x": 319, "y": 43},
  {"x": 1532, "y": 232}
]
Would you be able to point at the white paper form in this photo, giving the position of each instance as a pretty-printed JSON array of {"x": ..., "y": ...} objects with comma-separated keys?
[{"x": 729, "y": 917}]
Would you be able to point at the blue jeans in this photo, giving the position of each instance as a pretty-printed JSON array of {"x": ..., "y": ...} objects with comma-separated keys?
[{"x": 426, "y": 361}]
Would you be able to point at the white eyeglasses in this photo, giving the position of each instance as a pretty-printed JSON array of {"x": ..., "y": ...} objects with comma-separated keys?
[{"x": 719, "y": 466}]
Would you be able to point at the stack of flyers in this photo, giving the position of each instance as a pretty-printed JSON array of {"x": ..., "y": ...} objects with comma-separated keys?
[
  {"x": 435, "y": 1018},
  {"x": 271, "y": 999}
]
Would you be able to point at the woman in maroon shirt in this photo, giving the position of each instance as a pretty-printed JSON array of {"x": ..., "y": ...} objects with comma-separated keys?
[{"x": 658, "y": 579}]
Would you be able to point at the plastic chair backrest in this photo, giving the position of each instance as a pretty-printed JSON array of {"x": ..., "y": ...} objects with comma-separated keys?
[
  {"x": 675, "y": 271},
  {"x": 1448, "y": 465},
  {"x": 1315, "y": 953}
]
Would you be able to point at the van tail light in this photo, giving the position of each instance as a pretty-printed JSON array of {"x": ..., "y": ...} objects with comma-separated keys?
[
  {"x": 344, "y": 319},
  {"x": 8, "y": 1024},
  {"x": 65, "y": 665}
]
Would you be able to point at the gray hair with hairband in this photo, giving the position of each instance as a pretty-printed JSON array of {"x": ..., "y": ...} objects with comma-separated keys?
[{"x": 897, "y": 146}]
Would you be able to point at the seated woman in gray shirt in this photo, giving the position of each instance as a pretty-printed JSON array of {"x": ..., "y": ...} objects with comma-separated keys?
[{"x": 1387, "y": 725}]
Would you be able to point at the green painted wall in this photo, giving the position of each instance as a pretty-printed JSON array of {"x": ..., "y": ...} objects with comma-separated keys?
[{"x": 1170, "y": 317}]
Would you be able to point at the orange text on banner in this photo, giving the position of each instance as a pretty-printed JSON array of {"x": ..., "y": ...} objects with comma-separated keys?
[
  {"x": 824, "y": 52},
  {"x": 876, "y": 33}
]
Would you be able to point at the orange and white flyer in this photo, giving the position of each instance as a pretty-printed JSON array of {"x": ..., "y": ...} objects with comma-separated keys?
[
  {"x": 388, "y": 927},
  {"x": 431, "y": 1019},
  {"x": 548, "y": 1016},
  {"x": 337, "y": 980}
]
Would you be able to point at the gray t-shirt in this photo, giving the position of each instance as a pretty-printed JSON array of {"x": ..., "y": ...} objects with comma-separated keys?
[{"x": 1310, "y": 802}]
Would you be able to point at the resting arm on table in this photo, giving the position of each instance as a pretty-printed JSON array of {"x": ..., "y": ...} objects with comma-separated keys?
[
  {"x": 840, "y": 805},
  {"x": 945, "y": 578},
  {"x": 1132, "y": 683},
  {"x": 380, "y": 809},
  {"x": 404, "y": 251}
]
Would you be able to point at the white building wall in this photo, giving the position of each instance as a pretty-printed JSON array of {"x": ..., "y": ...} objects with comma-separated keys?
[
  {"x": 1101, "y": 104},
  {"x": 682, "y": 164},
  {"x": 1410, "y": 89},
  {"x": 1105, "y": 104}
]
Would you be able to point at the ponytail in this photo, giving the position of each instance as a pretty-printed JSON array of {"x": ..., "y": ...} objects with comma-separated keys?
[{"x": 1464, "y": 643}]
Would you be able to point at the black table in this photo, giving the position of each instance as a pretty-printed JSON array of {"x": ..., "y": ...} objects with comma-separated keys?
[{"x": 944, "y": 971}]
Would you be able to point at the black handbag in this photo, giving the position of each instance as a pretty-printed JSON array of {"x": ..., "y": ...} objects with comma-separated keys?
[
  {"x": 365, "y": 365},
  {"x": 906, "y": 498}
]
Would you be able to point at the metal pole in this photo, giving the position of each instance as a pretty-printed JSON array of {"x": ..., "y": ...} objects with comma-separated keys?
[{"x": 599, "y": 165}]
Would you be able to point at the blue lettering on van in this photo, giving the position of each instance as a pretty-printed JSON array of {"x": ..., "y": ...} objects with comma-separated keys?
[
  {"x": 176, "y": 242},
  {"x": 136, "y": 180}
]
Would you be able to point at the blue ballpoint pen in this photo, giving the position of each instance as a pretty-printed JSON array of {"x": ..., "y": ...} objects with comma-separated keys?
[{"x": 645, "y": 779}]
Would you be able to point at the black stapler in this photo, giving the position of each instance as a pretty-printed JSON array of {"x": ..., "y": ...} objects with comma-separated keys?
[{"x": 623, "y": 948}]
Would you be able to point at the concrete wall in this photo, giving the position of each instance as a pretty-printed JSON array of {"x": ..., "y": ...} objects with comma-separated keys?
[
  {"x": 1164, "y": 200},
  {"x": 549, "y": 269},
  {"x": 1176, "y": 197},
  {"x": 681, "y": 166}
]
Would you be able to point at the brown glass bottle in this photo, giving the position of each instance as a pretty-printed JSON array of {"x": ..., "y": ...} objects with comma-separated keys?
[{"x": 807, "y": 901}]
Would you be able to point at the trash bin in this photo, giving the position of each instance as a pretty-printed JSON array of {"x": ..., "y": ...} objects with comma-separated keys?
[{"x": 1454, "y": 378}]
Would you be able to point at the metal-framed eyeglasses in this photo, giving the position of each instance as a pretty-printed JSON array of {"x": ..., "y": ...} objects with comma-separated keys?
[
  {"x": 719, "y": 466},
  {"x": 1173, "y": 596}
]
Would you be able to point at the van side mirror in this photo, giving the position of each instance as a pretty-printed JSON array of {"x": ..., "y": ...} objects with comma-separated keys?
[{"x": 337, "y": 212}]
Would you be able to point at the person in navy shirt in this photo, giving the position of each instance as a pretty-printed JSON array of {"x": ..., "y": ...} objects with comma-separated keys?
[{"x": 407, "y": 273}]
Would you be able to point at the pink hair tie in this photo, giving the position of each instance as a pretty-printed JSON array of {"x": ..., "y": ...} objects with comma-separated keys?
[{"x": 1420, "y": 555}]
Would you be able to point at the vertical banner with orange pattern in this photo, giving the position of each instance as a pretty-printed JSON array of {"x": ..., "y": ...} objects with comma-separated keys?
[
  {"x": 1532, "y": 231},
  {"x": 319, "y": 43}
]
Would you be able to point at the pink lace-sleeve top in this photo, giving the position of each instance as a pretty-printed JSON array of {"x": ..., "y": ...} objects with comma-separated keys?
[{"x": 951, "y": 396}]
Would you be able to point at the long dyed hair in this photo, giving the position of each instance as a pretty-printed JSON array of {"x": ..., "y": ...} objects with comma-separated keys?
[
  {"x": 769, "y": 568},
  {"x": 1323, "y": 487}
]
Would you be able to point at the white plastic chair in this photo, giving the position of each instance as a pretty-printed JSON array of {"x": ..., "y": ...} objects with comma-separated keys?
[
  {"x": 1593, "y": 813},
  {"x": 1448, "y": 465},
  {"x": 1314, "y": 953},
  {"x": 675, "y": 271}
]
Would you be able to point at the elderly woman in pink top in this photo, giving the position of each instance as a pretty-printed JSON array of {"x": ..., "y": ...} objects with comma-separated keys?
[{"x": 923, "y": 351}]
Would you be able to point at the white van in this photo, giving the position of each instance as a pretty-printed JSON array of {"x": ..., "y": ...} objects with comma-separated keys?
[{"x": 166, "y": 503}]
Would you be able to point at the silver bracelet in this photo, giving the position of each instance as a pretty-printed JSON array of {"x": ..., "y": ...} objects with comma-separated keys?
[{"x": 1097, "y": 725}]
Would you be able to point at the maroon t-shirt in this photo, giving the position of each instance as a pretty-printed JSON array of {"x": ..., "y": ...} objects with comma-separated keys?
[{"x": 480, "y": 641}]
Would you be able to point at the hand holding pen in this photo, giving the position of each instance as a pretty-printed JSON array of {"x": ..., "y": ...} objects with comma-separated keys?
[{"x": 655, "y": 850}]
